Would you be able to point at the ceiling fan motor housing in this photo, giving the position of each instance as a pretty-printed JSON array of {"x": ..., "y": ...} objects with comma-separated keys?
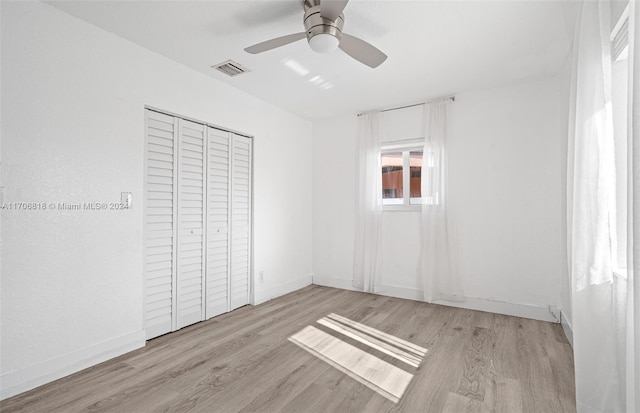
[{"x": 316, "y": 24}]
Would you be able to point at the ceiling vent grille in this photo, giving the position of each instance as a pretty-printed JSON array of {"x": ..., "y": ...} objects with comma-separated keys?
[{"x": 231, "y": 68}]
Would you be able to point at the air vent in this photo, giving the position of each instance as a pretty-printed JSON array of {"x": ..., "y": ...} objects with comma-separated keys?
[{"x": 231, "y": 68}]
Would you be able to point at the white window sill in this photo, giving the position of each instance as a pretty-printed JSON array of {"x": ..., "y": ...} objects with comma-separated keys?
[
  {"x": 401, "y": 208},
  {"x": 620, "y": 272}
]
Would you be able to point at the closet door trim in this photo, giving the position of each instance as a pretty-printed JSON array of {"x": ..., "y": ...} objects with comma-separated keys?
[{"x": 213, "y": 125}]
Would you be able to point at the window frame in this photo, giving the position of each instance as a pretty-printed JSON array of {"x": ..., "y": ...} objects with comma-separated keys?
[
  {"x": 405, "y": 147},
  {"x": 619, "y": 65}
]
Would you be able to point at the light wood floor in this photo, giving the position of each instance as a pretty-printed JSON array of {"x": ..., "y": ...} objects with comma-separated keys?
[{"x": 242, "y": 361}]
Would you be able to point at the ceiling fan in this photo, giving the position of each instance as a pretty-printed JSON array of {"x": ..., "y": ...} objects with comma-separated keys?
[{"x": 323, "y": 21}]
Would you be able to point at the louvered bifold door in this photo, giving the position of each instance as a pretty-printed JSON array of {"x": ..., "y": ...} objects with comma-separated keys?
[
  {"x": 217, "y": 274},
  {"x": 240, "y": 220},
  {"x": 191, "y": 223},
  {"x": 197, "y": 229},
  {"x": 159, "y": 224}
]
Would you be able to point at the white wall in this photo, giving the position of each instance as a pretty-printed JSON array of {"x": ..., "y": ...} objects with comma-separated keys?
[
  {"x": 506, "y": 170},
  {"x": 617, "y": 8},
  {"x": 73, "y": 100},
  {"x": 565, "y": 282}
]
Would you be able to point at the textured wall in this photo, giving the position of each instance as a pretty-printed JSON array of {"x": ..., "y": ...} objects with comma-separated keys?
[{"x": 73, "y": 101}]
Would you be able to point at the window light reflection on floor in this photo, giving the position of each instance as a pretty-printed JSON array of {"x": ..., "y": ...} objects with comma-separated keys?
[{"x": 371, "y": 371}]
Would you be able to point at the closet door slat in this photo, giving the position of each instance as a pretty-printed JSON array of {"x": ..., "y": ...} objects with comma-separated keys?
[{"x": 240, "y": 221}]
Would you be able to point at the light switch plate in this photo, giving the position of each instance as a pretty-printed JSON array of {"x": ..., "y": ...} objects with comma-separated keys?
[{"x": 126, "y": 198}]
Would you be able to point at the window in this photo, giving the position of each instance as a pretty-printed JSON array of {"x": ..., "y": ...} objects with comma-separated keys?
[
  {"x": 620, "y": 88},
  {"x": 401, "y": 175}
]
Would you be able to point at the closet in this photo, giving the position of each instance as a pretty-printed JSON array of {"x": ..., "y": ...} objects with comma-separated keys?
[{"x": 197, "y": 212}]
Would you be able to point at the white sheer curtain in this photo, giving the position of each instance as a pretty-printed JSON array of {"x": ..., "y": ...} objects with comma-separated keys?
[
  {"x": 591, "y": 190},
  {"x": 632, "y": 336},
  {"x": 438, "y": 264},
  {"x": 605, "y": 318},
  {"x": 366, "y": 263}
]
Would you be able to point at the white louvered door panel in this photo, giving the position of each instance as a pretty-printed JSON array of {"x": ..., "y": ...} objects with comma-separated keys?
[
  {"x": 240, "y": 221},
  {"x": 217, "y": 283},
  {"x": 191, "y": 195},
  {"x": 159, "y": 224}
]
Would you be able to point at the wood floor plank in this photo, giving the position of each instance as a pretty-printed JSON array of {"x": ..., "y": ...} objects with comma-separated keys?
[
  {"x": 456, "y": 403},
  {"x": 228, "y": 386},
  {"x": 437, "y": 376},
  {"x": 503, "y": 395},
  {"x": 282, "y": 391},
  {"x": 66, "y": 394},
  {"x": 243, "y": 361},
  {"x": 507, "y": 357},
  {"x": 377, "y": 404},
  {"x": 476, "y": 361},
  {"x": 561, "y": 358}
]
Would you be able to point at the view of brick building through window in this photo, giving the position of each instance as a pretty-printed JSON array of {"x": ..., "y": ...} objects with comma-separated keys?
[{"x": 393, "y": 179}]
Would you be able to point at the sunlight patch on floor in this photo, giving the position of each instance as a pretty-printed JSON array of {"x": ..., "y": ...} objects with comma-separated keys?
[{"x": 379, "y": 375}]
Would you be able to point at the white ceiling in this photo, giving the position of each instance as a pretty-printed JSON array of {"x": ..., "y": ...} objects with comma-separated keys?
[{"x": 435, "y": 48}]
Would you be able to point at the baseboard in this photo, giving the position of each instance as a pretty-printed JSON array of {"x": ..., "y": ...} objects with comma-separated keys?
[
  {"x": 472, "y": 303},
  {"x": 16, "y": 382},
  {"x": 333, "y": 282},
  {"x": 566, "y": 327},
  {"x": 281, "y": 289},
  {"x": 531, "y": 311},
  {"x": 388, "y": 290},
  {"x": 400, "y": 292}
]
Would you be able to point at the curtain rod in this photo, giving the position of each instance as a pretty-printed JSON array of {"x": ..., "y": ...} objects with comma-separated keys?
[{"x": 451, "y": 98}]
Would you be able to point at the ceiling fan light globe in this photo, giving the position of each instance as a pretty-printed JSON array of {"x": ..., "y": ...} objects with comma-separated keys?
[{"x": 324, "y": 43}]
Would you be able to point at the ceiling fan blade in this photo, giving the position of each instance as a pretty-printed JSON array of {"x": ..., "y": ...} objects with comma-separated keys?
[
  {"x": 273, "y": 43},
  {"x": 362, "y": 51},
  {"x": 331, "y": 9}
]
